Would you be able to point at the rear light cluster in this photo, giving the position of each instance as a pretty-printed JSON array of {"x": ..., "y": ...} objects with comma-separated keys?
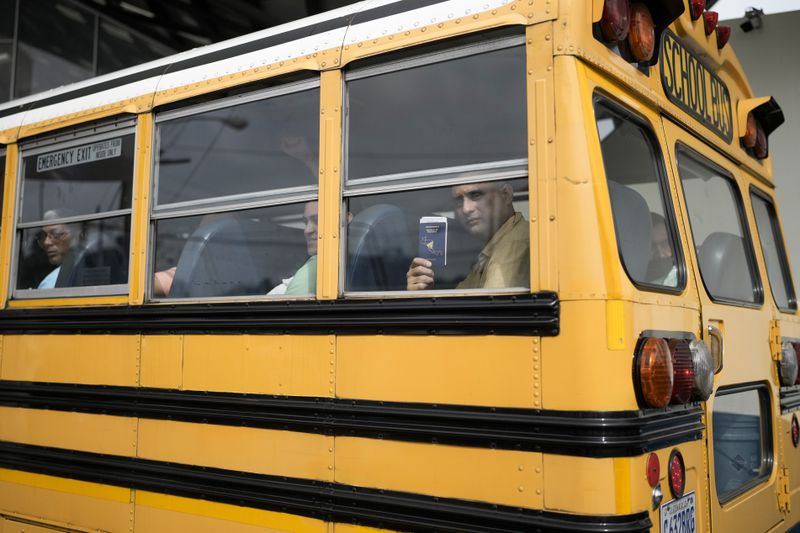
[
  {"x": 634, "y": 26},
  {"x": 673, "y": 371},
  {"x": 758, "y": 118},
  {"x": 788, "y": 365}
]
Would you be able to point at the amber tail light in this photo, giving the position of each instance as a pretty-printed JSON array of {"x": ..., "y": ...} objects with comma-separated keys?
[
  {"x": 641, "y": 33},
  {"x": 654, "y": 372}
]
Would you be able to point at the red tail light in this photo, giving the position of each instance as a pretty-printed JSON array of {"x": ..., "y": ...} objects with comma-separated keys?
[
  {"x": 697, "y": 7},
  {"x": 641, "y": 33},
  {"x": 683, "y": 371},
  {"x": 723, "y": 35},
  {"x": 711, "y": 18},
  {"x": 615, "y": 21},
  {"x": 796, "y": 346},
  {"x": 761, "y": 147},
  {"x": 653, "y": 470},
  {"x": 654, "y": 370},
  {"x": 677, "y": 474}
]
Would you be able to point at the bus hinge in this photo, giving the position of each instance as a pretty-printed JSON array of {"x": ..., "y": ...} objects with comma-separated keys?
[
  {"x": 775, "y": 340},
  {"x": 783, "y": 490}
]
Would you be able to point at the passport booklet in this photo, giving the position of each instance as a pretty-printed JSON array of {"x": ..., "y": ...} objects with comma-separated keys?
[{"x": 433, "y": 240}]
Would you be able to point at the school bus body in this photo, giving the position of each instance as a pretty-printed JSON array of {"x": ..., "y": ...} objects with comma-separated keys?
[{"x": 121, "y": 415}]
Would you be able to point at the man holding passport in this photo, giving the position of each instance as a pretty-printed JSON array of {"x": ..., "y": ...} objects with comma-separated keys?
[{"x": 487, "y": 212}]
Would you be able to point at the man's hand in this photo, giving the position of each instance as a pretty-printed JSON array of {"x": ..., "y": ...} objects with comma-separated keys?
[{"x": 419, "y": 275}]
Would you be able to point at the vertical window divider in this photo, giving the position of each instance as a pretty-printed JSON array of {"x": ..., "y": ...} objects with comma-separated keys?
[
  {"x": 7, "y": 231},
  {"x": 140, "y": 216},
  {"x": 330, "y": 184}
]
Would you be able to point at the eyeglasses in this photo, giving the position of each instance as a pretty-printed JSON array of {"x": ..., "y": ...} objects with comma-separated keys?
[{"x": 55, "y": 236}]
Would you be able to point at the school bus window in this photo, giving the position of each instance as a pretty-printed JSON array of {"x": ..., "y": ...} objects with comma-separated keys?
[
  {"x": 643, "y": 218},
  {"x": 73, "y": 228},
  {"x": 236, "y": 196},
  {"x": 769, "y": 233},
  {"x": 722, "y": 243},
  {"x": 436, "y": 160},
  {"x": 742, "y": 443}
]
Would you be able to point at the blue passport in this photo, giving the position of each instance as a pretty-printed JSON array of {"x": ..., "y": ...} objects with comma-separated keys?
[{"x": 433, "y": 240}]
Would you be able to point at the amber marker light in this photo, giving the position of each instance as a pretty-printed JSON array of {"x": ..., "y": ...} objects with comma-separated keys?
[
  {"x": 723, "y": 35},
  {"x": 710, "y": 18},
  {"x": 615, "y": 21},
  {"x": 654, "y": 370},
  {"x": 696, "y": 7},
  {"x": 641, "y": 33},
  {"x": 750, "y": 132}
]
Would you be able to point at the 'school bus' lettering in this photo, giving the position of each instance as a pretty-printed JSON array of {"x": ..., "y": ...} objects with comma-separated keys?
[{"x": 694, "y": 88}]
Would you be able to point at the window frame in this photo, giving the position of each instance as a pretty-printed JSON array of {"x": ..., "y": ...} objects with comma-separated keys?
[
  {"x": 82, "y": 135},
  {"x": 783, "y": 257},
  {"x": 432, "y": 178},
  {"x": 767, "y": 442},
  {"x": 225, "y": 204},
  {"x": 738, "y": 199},
  {"x": 603, "y": 99}
]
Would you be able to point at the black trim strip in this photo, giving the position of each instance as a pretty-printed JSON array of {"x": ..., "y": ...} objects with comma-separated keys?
[
  {"x": 531, "y": 314},
  {"x": 328, "y": 501},
  {"x": 577, "y": 433},
  {"x": 790, "y": 399},
  {"x": 226, "y": 53}
]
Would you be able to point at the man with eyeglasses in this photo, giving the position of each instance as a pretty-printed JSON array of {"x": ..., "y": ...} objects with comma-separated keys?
[{"x": 56, "y": 240}]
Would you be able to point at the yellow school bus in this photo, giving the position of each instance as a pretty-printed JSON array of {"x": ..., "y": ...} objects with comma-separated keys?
[{"x": 465, "y": 265}]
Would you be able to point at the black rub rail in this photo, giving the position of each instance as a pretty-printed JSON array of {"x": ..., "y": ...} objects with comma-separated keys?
[
  {"x": 328, "y": 501},
  {"x": 576, "y": 433},
  {"x": 531, "y": 314}
]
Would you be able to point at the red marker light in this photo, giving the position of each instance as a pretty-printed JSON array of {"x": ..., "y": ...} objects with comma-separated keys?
[
  {"x": 723, "y": 35},
  {"x": 615, "y": 21},
  {"x": 696, "y": 7},
  {"x": 653, "y": 470},
  {"x": 677, "y": 474},
  {"x": 711, "y": 19}
]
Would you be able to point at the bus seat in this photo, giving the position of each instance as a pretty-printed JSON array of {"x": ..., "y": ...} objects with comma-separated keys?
[
  {"x": 227, "y": 257},
  {"x": 632, "y": 221},
  {"x": 379, "y": 249},
  {"x": 99, "y": 259},
  {"x": 723, "y": 264}
]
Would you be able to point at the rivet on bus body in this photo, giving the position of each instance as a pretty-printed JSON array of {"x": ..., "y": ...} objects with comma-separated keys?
[
  {"x": 323, "y": 63},
  {"x": 552, "y": 218},
  {"x": 330, "y": 467},
  {"x": 440, "y": 25},
  {"x": 520, "y": 468},
  {"x": 547, "y": 37},
  {"x": 550, "y": 139},
  {"x": 359, "y": 44},
  {"x": 530, "y": 15},
  {"x": 538, "y": 491},
  {"x": 513, "y": 7},
  {"x": 330, "y": 449},
  {"x": 538, "y": 470},
  {"x": 521, "y": 489},
  {"x": 559, "y": 48},
  {"x": 494, "y": 12},
  {"x": 458, "y": 21},
  {"x": 424, "y": 28}
]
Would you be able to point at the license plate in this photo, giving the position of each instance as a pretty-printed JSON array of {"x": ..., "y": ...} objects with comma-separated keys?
[{"x": 678, "y": 516}]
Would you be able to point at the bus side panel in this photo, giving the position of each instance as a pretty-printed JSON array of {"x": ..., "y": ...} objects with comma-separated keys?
[
  {"x": 86, "y": 359},
  {"x": 65, "y": 501}
]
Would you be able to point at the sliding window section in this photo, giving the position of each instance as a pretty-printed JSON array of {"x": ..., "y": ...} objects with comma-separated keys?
[{"x": 235, "y": 196}]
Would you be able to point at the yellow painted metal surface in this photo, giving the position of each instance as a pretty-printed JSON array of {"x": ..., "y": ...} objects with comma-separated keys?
[
  {"x": 75, "y": 431},
  {"x": 330, "y": 194},
  {"x": 7, "y": 230},
  {"x": 141, "y": 208},
  {"x": 162, "y": 361},
  {"x": 86, "y": 359},
  {"x": 64, "y": 501},
  {"x": 16, "y": 526},
  {"x": 69, "y": 302},
  {"x": 161, "y": 512},
  {"x": 494, "y": 371},
  {"x": 262, "y": 451},
  {"x": 269, "y": 364},
  {"x": 496, "y": 476}
]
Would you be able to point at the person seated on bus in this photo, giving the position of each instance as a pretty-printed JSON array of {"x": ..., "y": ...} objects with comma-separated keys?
[
  {"x": 56, "y": 240},
  {"x": 661, "y": 269},
  {"x": 486, "y": 211},
  {"x": 304, "y": 281}
]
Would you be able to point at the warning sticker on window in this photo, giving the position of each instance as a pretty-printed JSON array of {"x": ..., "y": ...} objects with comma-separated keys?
[{"x": 79, "y": 155}]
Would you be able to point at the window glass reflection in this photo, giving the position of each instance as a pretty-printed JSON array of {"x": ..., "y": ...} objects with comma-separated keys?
[
  {"x": 56, "y": 45},
  {"x": 73, "y": 254},
  {"x": 774, "y": 253},
  {"x": 469, "y": 236},
  {"x": 458, "y": 112},
  {"x": 741, "y": 442},
  {"x": 7, "y": 8},
  {"x": 724, "y": 256},
  {"x": 118, "y": 48},
  {"x": 253, "y": 252},
  {"x": 82, "y": 179},
  {"x": 5, "y": 71},
  {"x": 259, "y": 146},
  {"x": 646, "y": 238}
]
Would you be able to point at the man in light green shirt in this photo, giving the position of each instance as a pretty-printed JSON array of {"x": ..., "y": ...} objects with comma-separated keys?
[{"x": 486, "y": 210}]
